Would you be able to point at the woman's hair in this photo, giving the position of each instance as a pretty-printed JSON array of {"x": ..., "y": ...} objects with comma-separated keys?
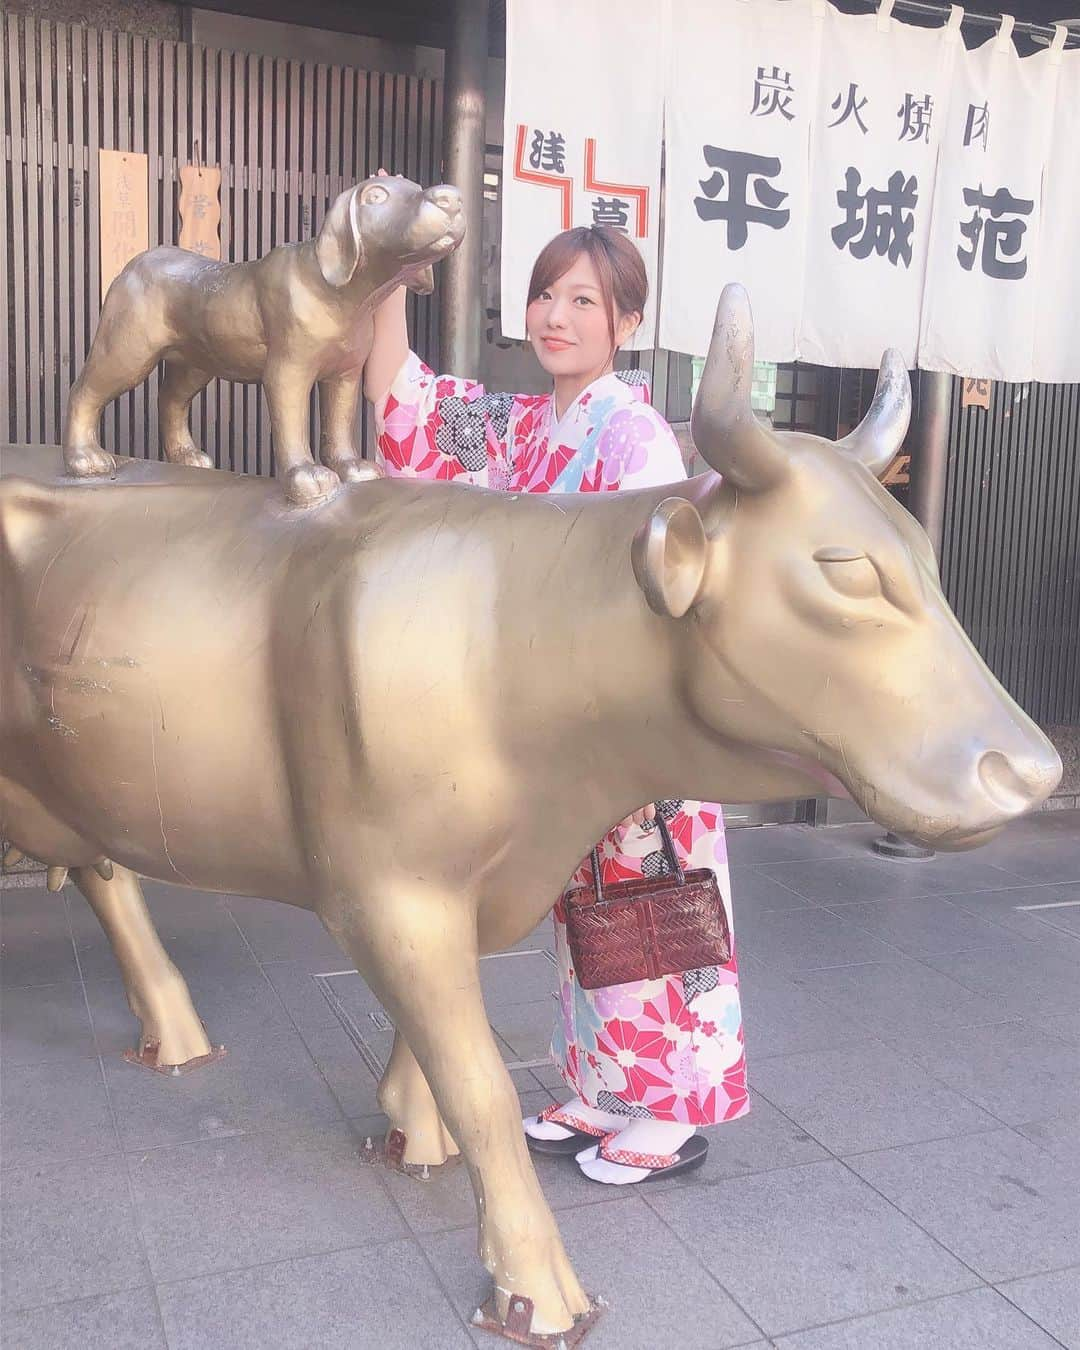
[{"x": 618, "y": 264}]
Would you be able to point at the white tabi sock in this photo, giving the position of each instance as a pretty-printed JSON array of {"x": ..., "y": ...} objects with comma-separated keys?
[{"x": 548, "y": 1129}]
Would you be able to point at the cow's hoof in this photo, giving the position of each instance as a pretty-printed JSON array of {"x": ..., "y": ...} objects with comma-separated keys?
[
  {"x": 539, "y": 1273},
  {"x": 190, "y": 455},
  {"x": 89, "y": 461},
  {"x": 310, "y": 484},
  {"x": 518, "y": 1323},
  {"x": 356, "y": 470},
  {"x": 149, "y": 1056}
]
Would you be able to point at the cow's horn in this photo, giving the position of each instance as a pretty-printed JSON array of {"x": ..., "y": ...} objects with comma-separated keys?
[
  {"x": 727, "y": 434},
  {"x": 880, "y": 434}
]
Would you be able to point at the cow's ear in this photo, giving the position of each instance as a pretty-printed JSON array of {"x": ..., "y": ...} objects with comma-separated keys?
[
  {"x": 669, "y": 555},
  {"x": 339, "y": 248}
]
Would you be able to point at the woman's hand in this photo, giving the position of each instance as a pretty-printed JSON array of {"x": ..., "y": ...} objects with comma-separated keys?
[
  {"x": 639, "y": 817},
  {"x": 389, "y": 342}
]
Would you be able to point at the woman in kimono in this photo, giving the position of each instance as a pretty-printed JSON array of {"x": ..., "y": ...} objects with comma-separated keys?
[{"x": 649, "y": 1062}]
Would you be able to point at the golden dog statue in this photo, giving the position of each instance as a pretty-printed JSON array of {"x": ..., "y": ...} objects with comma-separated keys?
[
  {"x": 297, "y": 317},
  {"x": 238, "y": 712}
]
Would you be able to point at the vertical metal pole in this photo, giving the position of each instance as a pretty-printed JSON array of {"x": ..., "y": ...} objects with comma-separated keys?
[
  {"x": 460, "y": 316},
  {"x": 929, "y": 446}
]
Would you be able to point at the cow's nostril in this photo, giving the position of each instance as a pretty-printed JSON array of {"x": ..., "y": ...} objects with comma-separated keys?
[{"x": 1015, "y": 783}]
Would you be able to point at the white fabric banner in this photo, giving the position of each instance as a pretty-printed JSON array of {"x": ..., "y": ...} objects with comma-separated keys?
[
  {"x": 881, "y": 111},
  {"x": 582, "y": 135},
  {"x": 1057, "y": 325},
  {"x": 982, "y": 284},
  {"x": 740, "y": 90}
]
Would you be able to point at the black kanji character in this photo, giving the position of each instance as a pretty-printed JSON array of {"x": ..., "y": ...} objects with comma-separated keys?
[
  {"x": 852, "y": 107},
  {"x": 611, "y": 211},
  {"x": 915, "y": 115},
  {"x": 877, "y": 222},
  {"x": 977, "y": 124},
  {"x": 1001, "y": 238},
  {"x": 773, "y": 93},
  {"x": 548, "y": 152},
  {"x": 738, "y": 165}
]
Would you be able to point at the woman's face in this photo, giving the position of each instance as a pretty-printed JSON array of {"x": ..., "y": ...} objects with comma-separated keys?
[{"x": 568, "y": 323}]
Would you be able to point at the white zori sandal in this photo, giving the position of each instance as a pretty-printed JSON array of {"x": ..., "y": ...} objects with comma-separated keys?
[
  {"x": 651, "y": 1166},
  {"x": 582, "y": 1132}
]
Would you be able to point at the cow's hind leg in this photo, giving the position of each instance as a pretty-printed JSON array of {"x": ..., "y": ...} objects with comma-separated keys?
[
  {"x": 406, "y": 1098},
  {"x": 171, "y": 1032},
  {"x": 180, "y": 385},
  {"x": 418, "y": 952}
]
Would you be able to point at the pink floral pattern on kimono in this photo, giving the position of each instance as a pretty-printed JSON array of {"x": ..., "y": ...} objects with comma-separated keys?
[{"x": 667, "y": 1049}]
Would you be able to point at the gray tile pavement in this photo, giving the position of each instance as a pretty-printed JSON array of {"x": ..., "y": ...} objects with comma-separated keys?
[{"x": 907, "y": 1175}]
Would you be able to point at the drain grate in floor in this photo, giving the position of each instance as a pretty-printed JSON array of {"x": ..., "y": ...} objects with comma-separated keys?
[{"x": 368, "y": 1026}]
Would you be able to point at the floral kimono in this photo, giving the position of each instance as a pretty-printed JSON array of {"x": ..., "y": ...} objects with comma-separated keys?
[{"x": 669, "y": 1049}]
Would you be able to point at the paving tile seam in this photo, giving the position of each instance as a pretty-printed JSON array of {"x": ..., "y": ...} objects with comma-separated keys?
[
  {"x": 109, "y": 1292},
  {"x": 914, "y": 1303},
  {"x": 58, "y": 1160},
  {"x": 292, "y": 1020},
  {"x": 911, "y": 1219},
  {"x": 1017, "y": 1127},
  {"x": 837, "y": 908},
  {"x": 1028, "y": 1317},
  {"x": 174, "y": 1280},
  {"x": 893, "y": 959},
  {"x": 926, "y": 1072},
  {"x": 904, "y": 1040},
  {"x": 1061, "y": 1036},
  {"x": 908, "y": 1218},
  {"x": 996, "y": 1128},
  {"x": 1038, "y": 1274},
  {"x": 417, "y": 1239},
  {"x": 765, "y": 1057},
  {"x": 759, "y": 867},
  {"x": 1013, "y": 882},
  {"x": 703, "y": 1266},
  {"x": 981, "y": 992},
  {"x": 132, "y": 1205},
  {"x": 985, "y": 1279}
]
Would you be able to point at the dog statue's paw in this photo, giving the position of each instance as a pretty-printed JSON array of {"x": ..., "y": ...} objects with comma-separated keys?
[
  {"x": 356, "y": 470},
  {"x": 88, "y": 461},
  {"x": 309, "y": 484},
  {"x": 190, "y": 455}
]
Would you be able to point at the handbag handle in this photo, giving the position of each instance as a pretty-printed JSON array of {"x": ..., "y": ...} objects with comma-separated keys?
[{"x": 669, "y": 853}]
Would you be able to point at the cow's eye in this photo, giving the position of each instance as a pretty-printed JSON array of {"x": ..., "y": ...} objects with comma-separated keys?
[
  {"x": 849, "y": 572},
  {"x": 375, "y": 195}
]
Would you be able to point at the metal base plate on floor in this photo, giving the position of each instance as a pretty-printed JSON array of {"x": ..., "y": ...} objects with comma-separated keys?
[
  {"x": 390, "y": 1153},
  {"x": 519, "y": 1320},
  {"x": 147, "y": 1059},
  {"x": 892, "y": 846}
]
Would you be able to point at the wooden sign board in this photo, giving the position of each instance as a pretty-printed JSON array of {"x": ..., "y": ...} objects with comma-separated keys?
[
  {"x": 124, "y": 211},
  {"x": 898, "y": 474},
  {"x": 976, "y": 394},
  {"x": 200, "y": 209}
]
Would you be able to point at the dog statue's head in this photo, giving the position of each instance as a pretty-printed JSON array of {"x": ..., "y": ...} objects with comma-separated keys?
[{"x": 393, "y": 226}]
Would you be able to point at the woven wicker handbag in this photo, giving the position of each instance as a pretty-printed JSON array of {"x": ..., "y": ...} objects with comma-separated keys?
[{"x": 646, "y": 928}]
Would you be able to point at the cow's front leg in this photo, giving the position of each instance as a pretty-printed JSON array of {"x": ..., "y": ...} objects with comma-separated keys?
[
  {"x": 288, "y": 389},
  {"x": 406, "y": 1098},
  {"x": 419, "y": 955},
  {"x": 338, "y": 401},
  {"x": 170, "y": 1030}
]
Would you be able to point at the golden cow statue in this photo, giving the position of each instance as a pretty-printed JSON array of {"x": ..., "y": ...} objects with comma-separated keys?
[{"x": 211, "y": 688}]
